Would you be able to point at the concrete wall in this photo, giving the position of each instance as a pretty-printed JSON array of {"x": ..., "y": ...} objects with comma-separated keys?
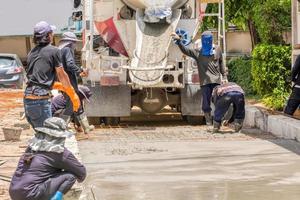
[
  {"x": 238, "y": 42},
  {"x": 18, "y": 45}
]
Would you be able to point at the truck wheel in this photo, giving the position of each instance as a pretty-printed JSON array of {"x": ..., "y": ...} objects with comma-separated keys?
[
  {"x": 111, "y": 121},
  {"x": 94, "y": 120},
  {"x": 194, "y": 120}
]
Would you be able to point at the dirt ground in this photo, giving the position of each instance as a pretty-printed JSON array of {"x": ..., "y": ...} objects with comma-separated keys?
[{"x": 10, "y": 108}]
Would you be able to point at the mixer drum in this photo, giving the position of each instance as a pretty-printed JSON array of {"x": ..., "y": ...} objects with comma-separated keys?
[{"x": 142, "y": 4}]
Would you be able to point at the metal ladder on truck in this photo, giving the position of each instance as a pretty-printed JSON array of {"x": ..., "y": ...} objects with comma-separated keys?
[{"x": 221, "y": 24}]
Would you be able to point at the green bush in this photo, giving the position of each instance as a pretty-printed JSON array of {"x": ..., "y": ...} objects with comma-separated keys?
[
  {"x": 240, "y": 73},
  {"x": 271, "y": 66}
]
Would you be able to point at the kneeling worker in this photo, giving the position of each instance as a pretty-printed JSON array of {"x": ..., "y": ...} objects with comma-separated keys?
[
  {"x": 47, "y": 170},
  {"x": 223, "y": 96}
]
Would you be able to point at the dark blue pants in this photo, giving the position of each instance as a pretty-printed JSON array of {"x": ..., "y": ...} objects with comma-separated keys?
[
  {"x": 293, "y": 102},
  {"x": 223, "y": 104},
  {"x": 37, "y": 111},
  {"x": 206, "y": 96},
  {"x": 62, "y": 182}
]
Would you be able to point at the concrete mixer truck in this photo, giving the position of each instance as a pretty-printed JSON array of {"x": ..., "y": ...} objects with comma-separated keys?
[{"x": 133, "y": 62}]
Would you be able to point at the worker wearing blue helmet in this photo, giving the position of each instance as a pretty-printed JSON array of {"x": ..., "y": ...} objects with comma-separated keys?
[{"x": 211, "y": 70}]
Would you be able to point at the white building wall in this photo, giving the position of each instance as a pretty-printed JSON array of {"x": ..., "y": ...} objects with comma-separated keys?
[{"x": 18, "y": 17}]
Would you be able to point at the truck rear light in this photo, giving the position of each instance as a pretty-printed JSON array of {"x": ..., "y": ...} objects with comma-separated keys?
[
  {"x": 15, "y": 70},
  {"x": 195, "y": 78},
  {"x": 109, "y": 81}
]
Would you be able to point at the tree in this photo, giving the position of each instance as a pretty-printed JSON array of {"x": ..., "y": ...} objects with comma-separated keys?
[{"x": 266, "y": 20}]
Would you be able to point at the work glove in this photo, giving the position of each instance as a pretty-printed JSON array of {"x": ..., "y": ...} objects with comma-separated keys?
[
  {"x": 70, "y": 92},
  {"x": 58, "y": 196}
]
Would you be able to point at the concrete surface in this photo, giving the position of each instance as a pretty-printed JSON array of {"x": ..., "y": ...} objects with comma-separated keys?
[{"x": 182, "y": 162}]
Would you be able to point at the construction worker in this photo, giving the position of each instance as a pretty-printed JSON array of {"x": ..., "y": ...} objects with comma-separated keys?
[
  {"x": 47, "y": 170},
  {"x": 67, "y": 45},
  {"x": 58, "y": 105},
  {"x": 210, "y": 68},
  {"x": 294, "y": 100},
  {"x": 223, "y": 96},
  {"x": 44, "y": 67}
]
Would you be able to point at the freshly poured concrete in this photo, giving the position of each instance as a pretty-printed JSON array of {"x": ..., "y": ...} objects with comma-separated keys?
[{"x": 182, "y": 162}]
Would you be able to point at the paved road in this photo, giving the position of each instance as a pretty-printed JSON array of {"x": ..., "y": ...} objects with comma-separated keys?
[{"x": 165, "y": 161}]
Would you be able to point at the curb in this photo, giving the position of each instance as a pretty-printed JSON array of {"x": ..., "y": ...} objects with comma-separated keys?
[
  {"x": 279, "y": 125},
  {"x": 72, "y": 145}
]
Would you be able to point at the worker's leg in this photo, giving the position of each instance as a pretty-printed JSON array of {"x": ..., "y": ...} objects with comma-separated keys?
[
  {"x": 239, "y": 115},
  {"x": 221, "y": 107},
  {"x": 68, "y": 112},
  {"x": 37, "y": 111},
  {"x": 62, "y": 182},
  {"x": 293, "y": 102},
  {"x": 206, "y": 101}
]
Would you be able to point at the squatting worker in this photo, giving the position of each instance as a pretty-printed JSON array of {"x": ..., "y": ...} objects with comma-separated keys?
[
  {"x": 68, "y": 45},
  {"x": 223, "y": 96},
  {"x": 44, "y": 67},
  {"x": 210, "y": 68},
  {"x": 47, "y": 170},
  {"x": 58, "y": 106},
  {"x": 294, "y": 100}
]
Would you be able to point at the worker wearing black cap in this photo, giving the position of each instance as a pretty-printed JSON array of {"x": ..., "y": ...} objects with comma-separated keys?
[{"x": 44, "y": 67}]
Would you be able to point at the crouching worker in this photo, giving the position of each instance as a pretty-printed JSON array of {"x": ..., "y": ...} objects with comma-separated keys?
[
  {"x": 47, "y": 170},
  {"x": 223, "y": 96},
  {"x": 59, "y": 104}
]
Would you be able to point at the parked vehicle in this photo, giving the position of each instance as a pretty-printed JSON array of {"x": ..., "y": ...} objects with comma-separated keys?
[{"x": 11, "y": 71}]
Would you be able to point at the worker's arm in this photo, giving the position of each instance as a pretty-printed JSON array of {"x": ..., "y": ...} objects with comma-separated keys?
[
  {"x": 70, "y": 62},
  {"x": 63, "y": 77},
  {"x": 296, "y": 69},
  {"x": 221, "y": 64},
  {"x": 189, "y": 52},
  {"x": 72, "y": 165},
  {"x": 65, "y": 86}
]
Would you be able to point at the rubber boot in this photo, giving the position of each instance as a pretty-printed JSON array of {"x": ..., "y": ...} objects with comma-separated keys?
[
  {"x": 208, "y": 119},
  {"x": 238, "y": 124},
  {"x": 87, "y": 128},
  {"x": 215, "y": 128}
]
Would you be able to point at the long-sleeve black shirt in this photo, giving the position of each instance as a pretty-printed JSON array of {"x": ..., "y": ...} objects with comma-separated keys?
[
  {"x": 210, "y": 68},
  {"x": 73, "y": 71},
  {"x": 296, "y": 71},
  {"x": 27, "y": 179}
]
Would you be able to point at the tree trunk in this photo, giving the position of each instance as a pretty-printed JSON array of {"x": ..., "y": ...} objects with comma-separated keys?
[{"x": 253, "y": 33}]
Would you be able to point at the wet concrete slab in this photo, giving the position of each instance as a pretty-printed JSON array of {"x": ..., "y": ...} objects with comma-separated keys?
[{"x": 227, "y": 169}]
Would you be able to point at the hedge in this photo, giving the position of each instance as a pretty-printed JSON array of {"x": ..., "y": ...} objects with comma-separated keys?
[
  {"x": 271, "y": 67},
  {"x": 240, "y": 73}
]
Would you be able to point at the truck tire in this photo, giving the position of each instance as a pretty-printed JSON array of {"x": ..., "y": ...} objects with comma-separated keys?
[
  {"x": 194, "y": 120},
  {"x": 111, "y": 121},
  {"x": 94, "y": 120}
]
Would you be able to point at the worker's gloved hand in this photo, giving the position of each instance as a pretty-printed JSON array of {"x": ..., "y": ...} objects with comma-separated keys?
[
  {"x": 74, "y": 98},
  {"x": 175, "y": 36},
  {"x": 224, "y": 80},
  {"x": 58, "y": 86},
  {"x": 58, "y": 196},
  {"x": 70, "y": 92}
]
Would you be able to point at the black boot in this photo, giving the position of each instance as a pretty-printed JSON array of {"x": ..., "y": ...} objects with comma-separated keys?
[
  {"x": 238, "y": 124},
  {"x": 208, "y": 119}
]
